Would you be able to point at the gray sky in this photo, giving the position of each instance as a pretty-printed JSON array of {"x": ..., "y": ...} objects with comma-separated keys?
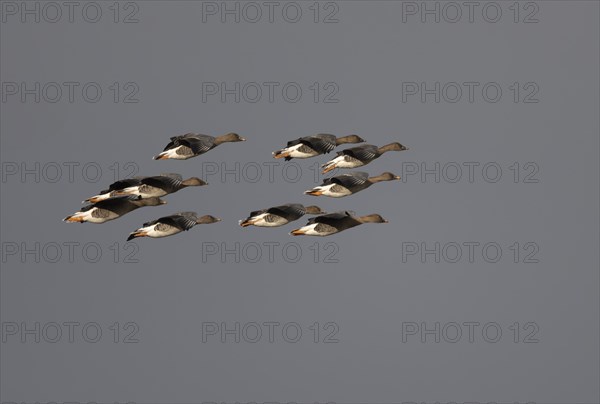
[{"x": 181, "y": 286}]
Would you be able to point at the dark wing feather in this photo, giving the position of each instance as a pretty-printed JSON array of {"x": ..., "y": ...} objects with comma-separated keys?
[
  {"x": 294, "y": 142},
  {"x": 323, "y": 143},
  {"x": 198, "y": 143},
  {"x": 183, "y": 221},
  {"x": 120, "y": 204},
  {"x": 150, "y": 223},
  {"x": 290, "y": 211},
  {"x": 176, "y": 141},
  {"x": 121, "y": 184},
  {"x": 331, "y": 217},
  {"x": 363, "y": 153},
  {"x": 257, "y": 212},
  {"x": 164, "y": 181},
  {"x": 350, "y": 180}
]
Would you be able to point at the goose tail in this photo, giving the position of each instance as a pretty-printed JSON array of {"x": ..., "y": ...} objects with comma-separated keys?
[{"x": 283, "y": 153}]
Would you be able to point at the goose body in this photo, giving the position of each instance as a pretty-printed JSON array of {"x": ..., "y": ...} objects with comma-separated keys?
[
  {"x": 348, "y": 184},
  {"x": 172, "y": 224},
  {"x": 147, "y": 187},
  {"x": 278, "y": 215},
  {"x": 310, "y": 146},
  {"x": 191, "y": 145},
  {"x": 111, "y": 209},
  {"x": 359, "y": 156},
  {"x": 332, "y": 223}
]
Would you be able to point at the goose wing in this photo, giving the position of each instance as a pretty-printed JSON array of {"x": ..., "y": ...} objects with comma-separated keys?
[
  {"x": 323, "y": 142},
  {"x": 197, "y": 142},
  {"x": 289, "y": 211},
  {"x": 176, "y": 141},
  {"x": 119, "y": 204},
  {"x": 122, "y": 184},
  {"x": 257, "y": 212},
  {"x": 164, "y": 181},
  {"x": 349, "y": 180},
  {"x": 182, "y": 221},
  {"x": 333, "y": 218},
  {"x": 363, "y": 153}
]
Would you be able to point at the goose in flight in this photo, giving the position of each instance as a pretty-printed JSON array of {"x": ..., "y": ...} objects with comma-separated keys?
[
  {"x": 310, "y": 146},
  {"x": 191, "y": 145},
  {"x": 172, "y": 224},
  {"x": 110, "y": 209},
  {"x": 146, "y": 187},
  {"x": 334, "y": 223},
  {"x": 279, "y": 215},
  {"x": 360, "y": 156},
  {"x": 348, "y": 184}
]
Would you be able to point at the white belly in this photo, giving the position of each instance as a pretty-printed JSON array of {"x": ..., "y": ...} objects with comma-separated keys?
[
  {"x": 88, "y": 217},
  {"x": 309, "y": 230},
  {"x": 172, "y": 154},
  {"x": 326, "y": 189},
  {"x": 296, "y": 153},
  {"x": 149, "y": 231},
  {"x": 347, "y": 163},
  {"x": 260, "y": 221}
]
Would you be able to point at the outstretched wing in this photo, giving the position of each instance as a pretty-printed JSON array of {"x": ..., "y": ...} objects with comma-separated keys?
[
  {"x": 176, "y": 141},
  {"x": 323, "y": 142},
  {"x": 198, "y": 143},
  {"x": 122, "y": 184},
  {"x": 257, "y": 212},
  {"x": 164, "y": 181},
  {"x": 183, "y": 221},
  {"x": 112, "y": 203},
  {"x": 288, "y": 211},
  {"x": 332, "y": 218},
  {"x": 349, "y": 180},
  {"x": 362, "y": 153}
]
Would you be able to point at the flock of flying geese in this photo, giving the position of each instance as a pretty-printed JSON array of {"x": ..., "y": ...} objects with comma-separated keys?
[{"x": 126, "y": 195}]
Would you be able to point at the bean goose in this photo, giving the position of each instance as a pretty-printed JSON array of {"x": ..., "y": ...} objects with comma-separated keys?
[
  {"x": 279, "y": 215},
  {"x": 310, "y": 146},
  {"x": 191, "y": 145},
  {"x": 110, "y": 209},
  {"x": 360, "y": 156},
  {"x": 146, "y": 187},
  {"x": 173, "y": 224},
  {"x": 348, "y": 184},
  {"x": 334, "y": 223}
]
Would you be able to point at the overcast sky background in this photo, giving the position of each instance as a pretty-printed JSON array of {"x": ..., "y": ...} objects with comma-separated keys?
[{"x": 370, "y": 291}]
